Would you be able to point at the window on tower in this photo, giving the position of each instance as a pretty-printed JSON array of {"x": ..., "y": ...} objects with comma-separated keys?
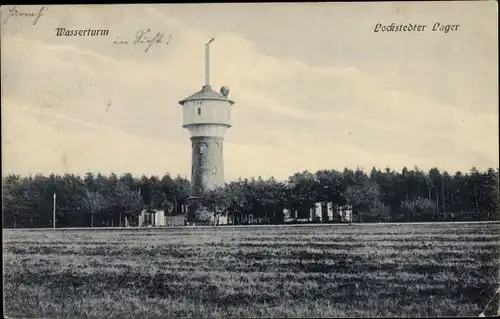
[{"x": 199, "y": 111}]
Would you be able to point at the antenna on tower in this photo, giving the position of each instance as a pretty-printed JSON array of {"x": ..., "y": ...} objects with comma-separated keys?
[{"x": 207, "y": 57}]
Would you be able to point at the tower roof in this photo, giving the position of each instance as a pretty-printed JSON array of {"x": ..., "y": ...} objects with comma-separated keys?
[{"x": 206, "y": 93}]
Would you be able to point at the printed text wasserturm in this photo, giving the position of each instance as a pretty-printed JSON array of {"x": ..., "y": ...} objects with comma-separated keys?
[{"x": 81, "y": 32}]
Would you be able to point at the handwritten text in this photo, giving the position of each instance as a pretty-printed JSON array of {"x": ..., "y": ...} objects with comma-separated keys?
[
  {"x": 147, "y": 38},
  {"x": 14, "y": 12}
]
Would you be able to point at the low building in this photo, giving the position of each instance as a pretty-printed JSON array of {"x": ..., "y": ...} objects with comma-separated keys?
[
  {"x": 219, "y": 220},
  {"x": 321, "y": 212},
  {"x": 157, "y": 218}
]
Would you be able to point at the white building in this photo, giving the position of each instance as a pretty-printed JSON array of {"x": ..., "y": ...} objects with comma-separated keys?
[
  {"x": 157, "y": 218},
  {"x": 323, "y": 212}
]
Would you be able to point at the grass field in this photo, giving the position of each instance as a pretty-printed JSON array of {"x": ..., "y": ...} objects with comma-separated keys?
[{"x": 332, "y": 271}]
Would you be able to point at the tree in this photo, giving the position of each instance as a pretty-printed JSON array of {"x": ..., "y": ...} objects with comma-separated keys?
[
  {"x": 128, "y": 180},
  {"x": 422, "y": 209},
  {"x": 473, "y": 184},
  {"x": 420, "y": 181},
  {"x": 490, "y": 191},
  {"x": 145, "y": 191},
  {"x": 268, "y": 199},
  {"x": 434, "y": 180},
  {"x": 216, "y": 202},
  {"x": 329, "y": 186},
  {"x": 239, "y": 196},
  {"x": 17, "y": 199},
  {"x": 180, "y": 192},
  {"x": 446, "y": 186},
  {"x": 94, "y": 203},
  {"x": 89, "y": 182},
  {"x": 127, "y": 202},
  {"x": 366, "y": 203},
  {"x": 302, "y": 192}
]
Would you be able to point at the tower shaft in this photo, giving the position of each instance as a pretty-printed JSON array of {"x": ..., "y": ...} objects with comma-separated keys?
[{"x": 207, "y": 163}]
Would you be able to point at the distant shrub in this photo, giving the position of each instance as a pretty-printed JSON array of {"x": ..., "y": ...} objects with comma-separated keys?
[{"x": 421, "y": 209}]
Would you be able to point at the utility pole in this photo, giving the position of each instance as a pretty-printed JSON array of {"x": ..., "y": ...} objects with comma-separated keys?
[{"x": 54, "y": 213}]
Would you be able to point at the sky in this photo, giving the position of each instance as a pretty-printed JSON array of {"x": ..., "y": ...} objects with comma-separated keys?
[{"x": 315, "y": 87}]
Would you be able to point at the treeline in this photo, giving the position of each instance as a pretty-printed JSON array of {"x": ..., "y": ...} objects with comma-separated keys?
[
  {"x": 381, "y": 195},
  {"x": 409, "y": 195},
  {"x": 94, "y": 200}
]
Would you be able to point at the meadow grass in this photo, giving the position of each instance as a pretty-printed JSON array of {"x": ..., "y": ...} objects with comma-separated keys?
[{"x": 338, "y": 271}]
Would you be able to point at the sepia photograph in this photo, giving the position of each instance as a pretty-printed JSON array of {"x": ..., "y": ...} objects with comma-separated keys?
[{"x": 250, "y": 160}]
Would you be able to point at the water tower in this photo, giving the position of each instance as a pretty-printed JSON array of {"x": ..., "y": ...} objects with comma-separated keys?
[{"x": 207, "y": 116}]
